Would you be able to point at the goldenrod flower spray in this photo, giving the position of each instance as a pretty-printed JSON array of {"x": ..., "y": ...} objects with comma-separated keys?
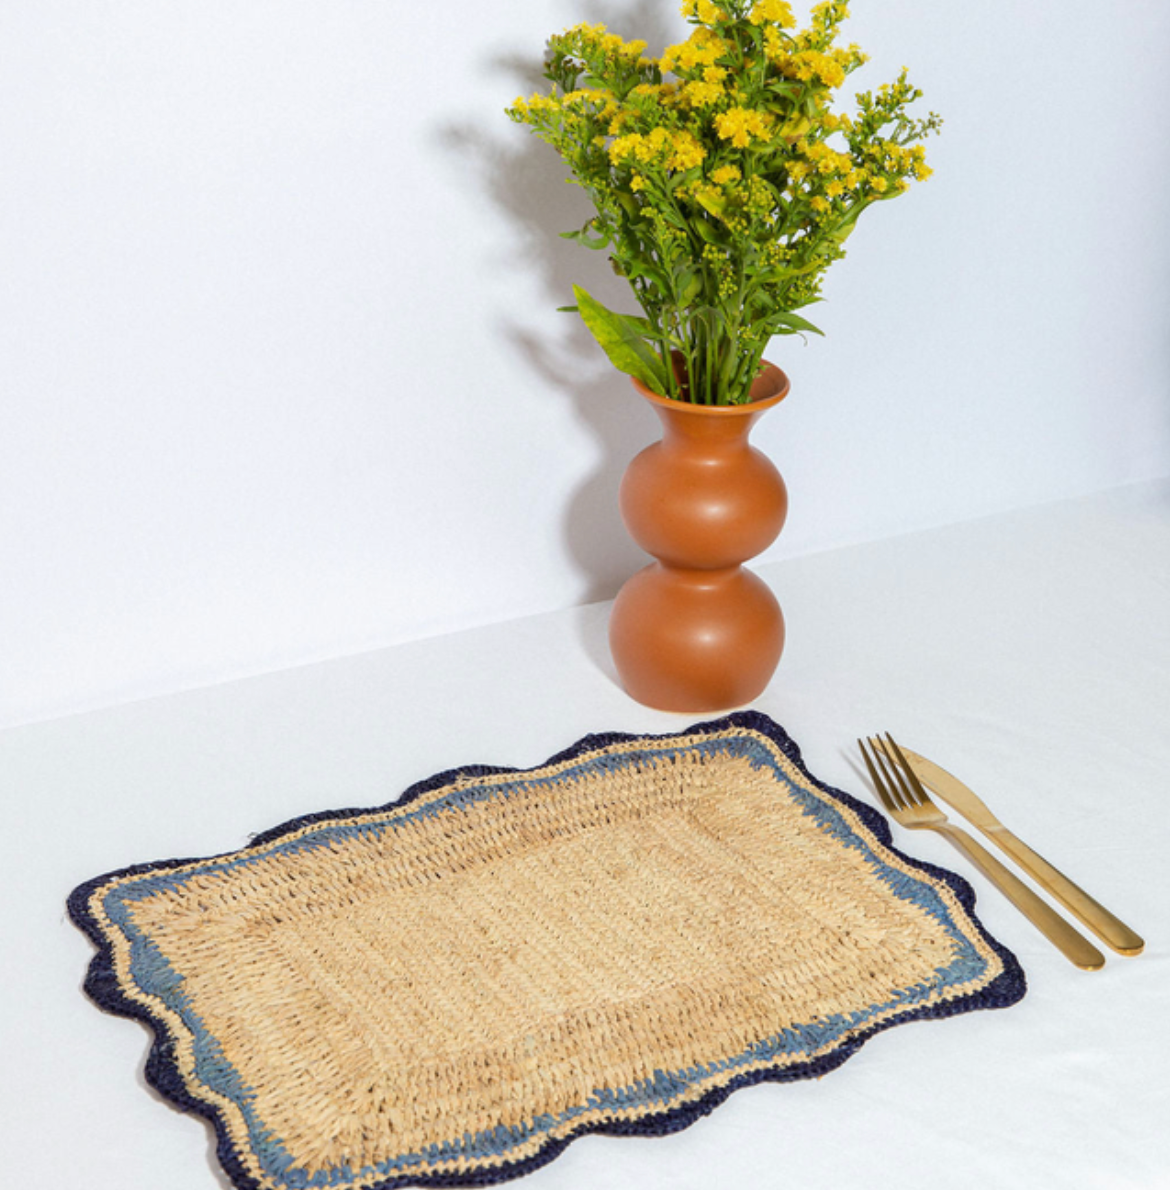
[{"x": 724, "y": 182}]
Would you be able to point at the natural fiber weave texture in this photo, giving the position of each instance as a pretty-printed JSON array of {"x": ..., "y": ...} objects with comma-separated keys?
[{"x": 448, "y": 989}]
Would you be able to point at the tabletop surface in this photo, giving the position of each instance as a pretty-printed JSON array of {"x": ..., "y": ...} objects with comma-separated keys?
[{"x": 1028, "y": 653}]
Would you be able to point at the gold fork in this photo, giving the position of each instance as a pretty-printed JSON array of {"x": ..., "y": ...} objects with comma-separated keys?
[{"x": 903, "y": 796}]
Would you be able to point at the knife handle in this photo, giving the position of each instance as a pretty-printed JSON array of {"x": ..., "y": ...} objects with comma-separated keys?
[
  {"x": 1109, "y": 929},
  {"x": 1070, "y": 942}
]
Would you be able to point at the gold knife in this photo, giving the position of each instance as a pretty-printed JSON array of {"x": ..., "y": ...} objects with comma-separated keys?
[{"x": 1108, "y": 928}]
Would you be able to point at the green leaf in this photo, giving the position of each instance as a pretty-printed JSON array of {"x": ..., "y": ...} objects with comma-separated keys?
[
  {"x": 669, "y": 213},
  {"x": 636, "y": 269},
  {"x": 623, "y": 338},
  {"x": 715, "y": 203},
  {"x": 587, "y": 237},
  {"x": 692, "y": 288},
  {"x": 785, "y": 90},
  {"x": 793, "y": 324},
  {"x": 845, "y": 228},
  {"x": 706, "y": 231},
  {"x": 628, "y": 204}
]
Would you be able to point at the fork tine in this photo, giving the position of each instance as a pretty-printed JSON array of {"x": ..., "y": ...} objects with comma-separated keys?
[
  {"x": 904, "y": 795},
  {"x": 919, "y": 794},
  {"x": 878, "y": 783},
  {"x": 898, "y": 797}
]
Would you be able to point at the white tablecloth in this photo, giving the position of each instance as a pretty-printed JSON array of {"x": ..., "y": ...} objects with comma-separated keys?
[{"x": 1029, "y": 653}]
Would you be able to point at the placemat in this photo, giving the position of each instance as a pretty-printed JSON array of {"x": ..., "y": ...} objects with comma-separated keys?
[{"x": 450, "y": 988}]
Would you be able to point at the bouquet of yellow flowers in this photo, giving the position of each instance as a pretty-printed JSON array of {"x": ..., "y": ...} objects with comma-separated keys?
[{"x": 724, "y": 183}]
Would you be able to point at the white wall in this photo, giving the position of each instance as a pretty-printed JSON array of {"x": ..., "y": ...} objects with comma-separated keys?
[{"x": 282, "y": 376}]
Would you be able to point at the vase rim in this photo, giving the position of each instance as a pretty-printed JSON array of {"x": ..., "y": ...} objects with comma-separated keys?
[{"x": 777, "y": 390}]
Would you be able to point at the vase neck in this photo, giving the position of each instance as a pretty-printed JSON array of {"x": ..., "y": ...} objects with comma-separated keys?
[
  {"x": 727, "y": 430},
  {"x": 719, "y": 427}
]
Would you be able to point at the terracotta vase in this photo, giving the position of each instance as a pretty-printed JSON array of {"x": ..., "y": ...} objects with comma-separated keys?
[{"x": 695, "y": 631}]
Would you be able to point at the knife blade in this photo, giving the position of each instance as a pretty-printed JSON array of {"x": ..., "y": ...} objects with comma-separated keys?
[{"x": 1112, "y": 931}]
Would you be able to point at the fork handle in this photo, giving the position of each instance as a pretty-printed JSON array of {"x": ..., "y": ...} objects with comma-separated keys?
[{"x": 1069, "y": 941}]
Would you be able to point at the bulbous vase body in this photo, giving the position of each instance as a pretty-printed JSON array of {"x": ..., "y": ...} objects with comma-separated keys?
[{"x": 695, "y": 631}]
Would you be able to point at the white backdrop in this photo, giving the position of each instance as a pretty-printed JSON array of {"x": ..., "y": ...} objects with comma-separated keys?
[{"x": 282, "y": 376}]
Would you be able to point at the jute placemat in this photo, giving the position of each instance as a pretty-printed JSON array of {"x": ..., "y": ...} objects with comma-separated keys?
[{"x": 450, "y": 988}]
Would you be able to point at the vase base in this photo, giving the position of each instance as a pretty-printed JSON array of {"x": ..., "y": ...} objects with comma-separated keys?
[{"x": 695, "y": 640}]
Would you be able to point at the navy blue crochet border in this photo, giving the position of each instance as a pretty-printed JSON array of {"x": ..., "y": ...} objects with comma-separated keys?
[{"x": 162, "y": 1072}]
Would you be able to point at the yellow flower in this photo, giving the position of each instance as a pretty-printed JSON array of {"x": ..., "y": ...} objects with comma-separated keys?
[
  {"x": 617, "y": 118},
  {"x": 826, "y": 159},
  {"x": 740, "y": 124},
  {"x": 775, "y": 11},
  {"x": 637, "y": 182},
  {"x": 686, "y": 151},
  {"x": 679, "y": 150},
  {"x": 829, "y": 13},
  {"x": 599, "y": 39},
  {"x": 702, "y": 48},
  {"x": 705, "y": 10},
  {"x": 918, "y": 166},
  {"x": 813, "y": 66},
  {"x": 623, "y": 147},
  {"x": 702, "y": 94},
  {"x": 538, "y": 103},
  {"x": 725, "y": 174}
]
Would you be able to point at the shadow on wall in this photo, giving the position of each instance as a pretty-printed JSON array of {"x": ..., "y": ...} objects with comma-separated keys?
[{"x": 525, "y": 179}]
